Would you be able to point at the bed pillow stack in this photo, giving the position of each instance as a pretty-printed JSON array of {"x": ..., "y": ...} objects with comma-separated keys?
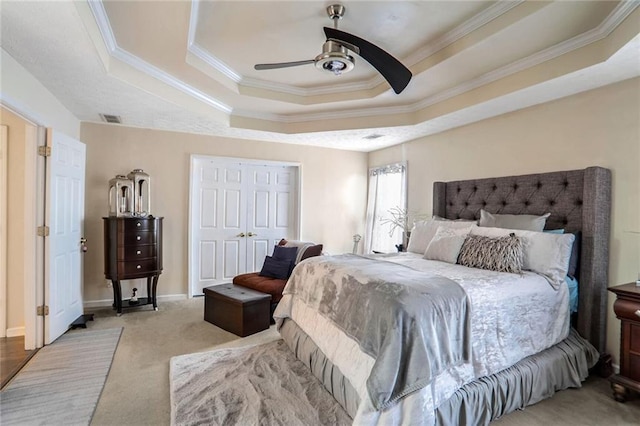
[
  {"x": 545, "y": 253},
  {"x": 502, "y": 242},
  {"x": 423, "y": 232},
  {"x": 525, "y": 222}
]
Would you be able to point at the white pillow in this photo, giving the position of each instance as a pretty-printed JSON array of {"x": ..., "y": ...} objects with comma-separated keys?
[
  {"x": 527, "y": 222},
  {"x": 423, "y": 232},
  {"x": 544, "y": 253},
  {"x": 446, "y": 244}
]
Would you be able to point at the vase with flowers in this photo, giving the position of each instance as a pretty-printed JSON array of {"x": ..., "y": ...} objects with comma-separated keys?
[{"x": 403, "y": 220}]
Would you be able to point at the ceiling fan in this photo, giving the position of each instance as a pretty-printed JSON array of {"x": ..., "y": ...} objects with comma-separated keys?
[{"x": 335, "y": 55}]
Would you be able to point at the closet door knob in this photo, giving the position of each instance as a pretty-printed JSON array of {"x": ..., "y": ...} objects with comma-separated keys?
[{"x": 241, "y": 235}]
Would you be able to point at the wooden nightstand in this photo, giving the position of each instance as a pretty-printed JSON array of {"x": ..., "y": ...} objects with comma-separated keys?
[{"x": 627, "y": 309}]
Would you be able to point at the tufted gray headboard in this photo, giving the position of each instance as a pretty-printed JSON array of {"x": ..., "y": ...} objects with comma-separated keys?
[{"x": 579, "y": 201}]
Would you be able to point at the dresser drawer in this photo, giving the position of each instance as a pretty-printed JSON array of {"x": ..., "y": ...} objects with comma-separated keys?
[
  {"x": 137, "y": 267},
  {"x": 136, "y": 238},
  {"x": 634, "y": 338},
  {"x": 133, "y": 225},
  {"x": 634, "y": 367},
  {"x": 627, "y": 309},
  {"x": 135, "y": 252}
]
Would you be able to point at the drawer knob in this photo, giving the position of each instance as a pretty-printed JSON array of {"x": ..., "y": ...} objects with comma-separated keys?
[
  {"x": 138, "y": 224},
  {"x": 138, "y": 267},
  {"x": 138, "y": 237},
  {"x": 638, "y": 313},
  {"x": 138, "y": 252}
]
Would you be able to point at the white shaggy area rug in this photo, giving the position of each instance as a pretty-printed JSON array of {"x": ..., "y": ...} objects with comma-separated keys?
[{"x": 256, "y": 385}]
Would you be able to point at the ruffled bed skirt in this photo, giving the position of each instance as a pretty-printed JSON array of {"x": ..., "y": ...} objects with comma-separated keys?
[{"x": 529, "y": 381}]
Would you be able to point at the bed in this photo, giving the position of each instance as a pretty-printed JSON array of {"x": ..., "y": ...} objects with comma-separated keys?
[{"x": 472, "y": 362}]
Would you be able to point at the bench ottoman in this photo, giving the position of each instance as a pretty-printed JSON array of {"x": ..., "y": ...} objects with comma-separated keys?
[{"x": 237, "y": 309}]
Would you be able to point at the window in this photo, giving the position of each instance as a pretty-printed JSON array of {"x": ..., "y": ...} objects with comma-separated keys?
[{"x": 387, "y": 190}]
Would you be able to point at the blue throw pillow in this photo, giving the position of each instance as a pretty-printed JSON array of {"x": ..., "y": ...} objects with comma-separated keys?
[
  {"x": 286, "y": 253},
  {"x": 276, "y": 268}
]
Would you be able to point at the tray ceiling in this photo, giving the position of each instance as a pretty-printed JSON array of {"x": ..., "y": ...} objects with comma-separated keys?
[{"x": 188, "y": 66}]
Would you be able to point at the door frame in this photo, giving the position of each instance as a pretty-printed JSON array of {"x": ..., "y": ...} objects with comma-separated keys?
[
  {"x": 34, "y": 202},
  {"x": 252, "y": 161},
  {"x": 4, "y": 134}
]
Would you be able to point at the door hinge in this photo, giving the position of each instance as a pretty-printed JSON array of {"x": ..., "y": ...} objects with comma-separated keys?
[
  {"x": 43, "y": 231},
  {"x": 43, "y": 310},
  {"x": 44, "y": 151}
]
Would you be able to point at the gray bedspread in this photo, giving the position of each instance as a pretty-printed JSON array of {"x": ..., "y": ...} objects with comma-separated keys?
[{"x": 378, "y": 304}]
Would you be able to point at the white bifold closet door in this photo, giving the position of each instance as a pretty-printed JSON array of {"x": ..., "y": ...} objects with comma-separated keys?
[{"x": 238, "y": 211}]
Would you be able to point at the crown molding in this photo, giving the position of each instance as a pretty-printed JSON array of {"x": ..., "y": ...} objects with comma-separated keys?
[
  {"x": 102, "y": 20},
  {"x": 605, "y": 28},
  {"x": 327, "y": 115},
  {"x": 457, "y": 33},
  {"x": 619, "y": 14},
  {"x": 202, "y": 53},
  {"x": 477, "y": 21}
]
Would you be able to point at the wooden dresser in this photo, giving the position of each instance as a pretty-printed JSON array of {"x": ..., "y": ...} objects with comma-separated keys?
[
  {"x": 133, "y": 249},
  {"x": 627, "y": 309}
]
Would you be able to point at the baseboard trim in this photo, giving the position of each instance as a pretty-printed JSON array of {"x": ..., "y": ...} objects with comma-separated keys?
[
  {"x": 109, "y": 302},
  {"x": 15, "y": 331}
]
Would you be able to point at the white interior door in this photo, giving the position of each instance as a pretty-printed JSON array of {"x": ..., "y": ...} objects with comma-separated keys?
[
  {"x": 218, "y": 218},
  {"x": 238, "y": 211},
  {"x": 65, "y": 218},
  {"x": 271, "y": 206}
]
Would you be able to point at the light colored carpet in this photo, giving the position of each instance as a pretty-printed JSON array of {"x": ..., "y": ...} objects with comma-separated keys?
[
  {"x": 263, "y": 384},
  {"x": 62, "y": 383},
  {"x": 137, "y": 389}
]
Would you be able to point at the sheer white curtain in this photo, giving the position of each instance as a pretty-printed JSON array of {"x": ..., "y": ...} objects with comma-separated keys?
[{"x": 387, "y": 189}]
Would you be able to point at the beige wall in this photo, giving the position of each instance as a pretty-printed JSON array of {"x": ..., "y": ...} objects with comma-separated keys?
[
  {"x": 17, "y": 197},
  {"x": 596, "y": 128},
  {"x": 333, "y": 192}
]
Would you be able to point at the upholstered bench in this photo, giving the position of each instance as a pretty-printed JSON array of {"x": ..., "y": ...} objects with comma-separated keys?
[{"x": 239, "y": 310}]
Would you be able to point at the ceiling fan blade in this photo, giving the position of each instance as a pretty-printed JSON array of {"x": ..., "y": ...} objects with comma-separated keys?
[
  {"x": 391, "y": 69},
  {"x": 260, "y": 67}
]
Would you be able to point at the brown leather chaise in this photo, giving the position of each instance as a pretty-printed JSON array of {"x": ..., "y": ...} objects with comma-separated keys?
[{"x": 274, "y": 286}]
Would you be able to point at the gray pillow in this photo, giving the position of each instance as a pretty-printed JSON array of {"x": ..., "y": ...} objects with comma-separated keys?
[
  {"x": 526, "y": 222},
  {"x": 502, "y": 254}
]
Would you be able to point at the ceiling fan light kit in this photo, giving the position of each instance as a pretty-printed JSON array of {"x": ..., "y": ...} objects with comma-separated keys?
[{"x": 335, "y": 57}]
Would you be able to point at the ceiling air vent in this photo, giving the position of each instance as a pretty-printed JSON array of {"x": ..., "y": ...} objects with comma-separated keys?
[
  {"x": 111, "y": 118},
  {"x": 373, "y": 136}
]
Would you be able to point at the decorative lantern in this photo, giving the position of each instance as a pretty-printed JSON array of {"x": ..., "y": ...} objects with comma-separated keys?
[
  {"x": 121, "y": 196},
  {"x": 141, "y": 192}
]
